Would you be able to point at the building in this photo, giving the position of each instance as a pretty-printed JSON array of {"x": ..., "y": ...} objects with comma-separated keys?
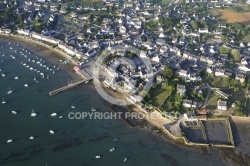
[
  {"x": 222, "y": 105},
  {"x": 181, "y": 89}
]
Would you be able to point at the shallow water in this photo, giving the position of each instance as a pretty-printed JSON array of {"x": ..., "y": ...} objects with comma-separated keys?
[{"x": 75, "y": 142}]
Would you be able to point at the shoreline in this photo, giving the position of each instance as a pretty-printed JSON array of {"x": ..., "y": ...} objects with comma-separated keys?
[
  {"x": 54, "y": 55},
  {"x": 50, "y": 54}
]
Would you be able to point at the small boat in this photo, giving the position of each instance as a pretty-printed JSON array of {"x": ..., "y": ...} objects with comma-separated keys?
[
  {"x": 60, "y": 117},
  {"x": 72, "y": 106},
  {"x": 9, "y": 141},
  {"x": 33, "y": 113},
  {"x": 112, "y": 149},
  {"x": 26, "y": 85},
  {"x": 51, "y": 132},
  {"x": 10, "y": 91},
  {"x": 125, "y": 159},
  {"x": 97, "y": 157},
  {"x": 53, "y": 114},
  {"x": 31, "y": 137},
  {"x": 3, "y": 102},
  {"x": 116, "y": 139},
  {"x": 3, "y": 75},
  {"x": 92, "y": 109},
  {"x": 16, "y": 78},
  {"x": 14, "y": 112}
]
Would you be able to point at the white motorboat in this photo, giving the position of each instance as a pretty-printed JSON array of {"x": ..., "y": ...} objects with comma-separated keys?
[
  {"x": 53, "y": 114},
  {"x": 125, "y": 159},
  {"x": 60, "y": 117},
  {"x": 92, "y": 109},
  {"x": 10, "y": 91},
  {"x": 116, "y": 139},
  {"x": 3, "y": 102},
  {"x": 9, "y": 141},
  {"x": 14, "y": 112},
  {"x": 97, "y": 157},
  {"x": 3, "y": 75},
  {"x": 26, "y": 85},
  {"x": 112, "y": 149},
  {"x": 72, "y": 106},
  {"x": 33, "y": 113},
  {"x": 31, "y": 137},
  {"x": 51, "y": 132},
  {"x": 16, "y": 78}
]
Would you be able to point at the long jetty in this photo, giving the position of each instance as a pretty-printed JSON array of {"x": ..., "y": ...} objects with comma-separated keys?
[{"x": 69, "y": 86}]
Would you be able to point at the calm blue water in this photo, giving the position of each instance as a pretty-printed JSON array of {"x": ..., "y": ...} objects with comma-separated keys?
[{"x": 75, "y": 142}]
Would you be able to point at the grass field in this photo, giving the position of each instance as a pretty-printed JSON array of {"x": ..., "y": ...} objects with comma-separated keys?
[
  {"x": 212, "y": 101},
  {"x": 159, "y": 94},
  {"x": 230, "y": 15}
]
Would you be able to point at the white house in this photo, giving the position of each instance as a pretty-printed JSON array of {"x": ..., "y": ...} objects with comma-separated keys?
[
  {"x": 219, "y": 72},
  {"x": 222, "y": 105},
  {"x": 203, "y": 30}
]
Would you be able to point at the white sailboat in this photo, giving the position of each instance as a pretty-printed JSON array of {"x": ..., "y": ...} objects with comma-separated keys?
[
  {"x": 92, "y": 109},
  {"x": 72, "y": 106},
  {"x": 53, "y": 114},
  {"x": 3, "y": 102},
  {"x": 125, "y": 159},
  {"x": 14, "y": 112},
  {"x": 10, "y": 91},
  {"x": 51, "y": 132},
  {"x": 112, "y": 149},
  {"x": 33, "y": 113},
  {"x": 9, "y": 141}
]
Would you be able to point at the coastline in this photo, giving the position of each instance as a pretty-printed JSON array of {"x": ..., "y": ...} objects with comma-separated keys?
[{"x": 54, "y": 55}]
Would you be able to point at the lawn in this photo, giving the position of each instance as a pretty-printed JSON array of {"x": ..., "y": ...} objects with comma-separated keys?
[
  {"x": 247, "y": 38},
  {"x": 159, "y": 94},
  {"x": 219, "y": 82},
  {"x": 212, "y": 101}
]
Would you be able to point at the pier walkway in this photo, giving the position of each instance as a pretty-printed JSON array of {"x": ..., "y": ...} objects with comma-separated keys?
[{"x": 69, "y": 86}]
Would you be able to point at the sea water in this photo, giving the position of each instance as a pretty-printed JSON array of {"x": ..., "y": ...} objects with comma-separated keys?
[{"x": 75, "y": 142}]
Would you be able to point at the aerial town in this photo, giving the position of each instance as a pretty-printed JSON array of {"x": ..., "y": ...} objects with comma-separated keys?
[{"x": 201, "y": 62}]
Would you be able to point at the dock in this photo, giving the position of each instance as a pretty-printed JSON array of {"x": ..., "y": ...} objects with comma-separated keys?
[
  {"x": 69, "y": 86},
  {"x": 86, "y": 77}
]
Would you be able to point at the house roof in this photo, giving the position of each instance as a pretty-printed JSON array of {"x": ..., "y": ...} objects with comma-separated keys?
[{"x": 222, "y": 103}]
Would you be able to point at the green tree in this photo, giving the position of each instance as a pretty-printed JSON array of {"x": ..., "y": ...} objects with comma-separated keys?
[
  {"x": 37, "y": 25},
  {"x": 194, "y": 25},
  {"x": 164, "y": 85},
  {"x": 225, "y": 38},
  {"x": 236, "y": 55},
  {"x": 167, "y": 72}
]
